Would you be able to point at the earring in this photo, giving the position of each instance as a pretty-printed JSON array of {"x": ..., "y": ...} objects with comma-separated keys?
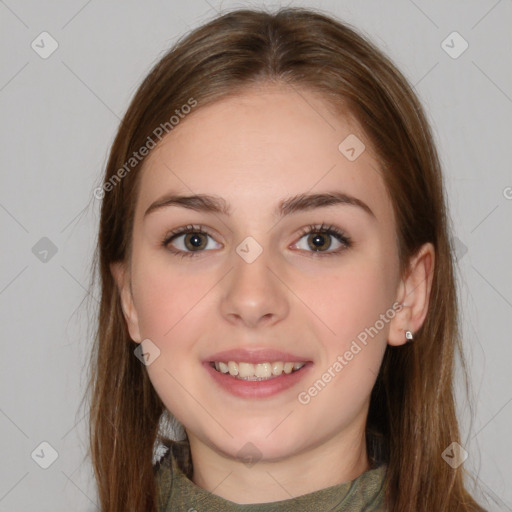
[{"x": 409, "y": 336}]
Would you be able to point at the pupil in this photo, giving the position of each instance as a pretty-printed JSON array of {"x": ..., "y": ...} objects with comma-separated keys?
[
  {"x": 319, "y": 241},
  {"x": 195, "y": 240}
]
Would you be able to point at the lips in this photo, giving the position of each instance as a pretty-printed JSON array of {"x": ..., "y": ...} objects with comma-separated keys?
[{"x": 256, "y": 387}]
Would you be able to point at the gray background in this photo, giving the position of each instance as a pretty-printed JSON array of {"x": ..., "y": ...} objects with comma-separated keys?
[{"x": 59, "y": 116}]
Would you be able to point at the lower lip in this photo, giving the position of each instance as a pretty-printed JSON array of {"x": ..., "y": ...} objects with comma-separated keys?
[{"x": 257, "y": 388}]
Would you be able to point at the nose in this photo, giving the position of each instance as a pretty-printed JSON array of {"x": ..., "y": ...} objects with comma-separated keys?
[{"x": 253, "y": 294}]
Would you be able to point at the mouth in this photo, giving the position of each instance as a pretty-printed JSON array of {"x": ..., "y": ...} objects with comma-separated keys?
[{"x": 257, "y": 371}]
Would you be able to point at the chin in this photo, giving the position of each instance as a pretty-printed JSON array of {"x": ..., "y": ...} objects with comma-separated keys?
[{"x": 256, "y": 446}]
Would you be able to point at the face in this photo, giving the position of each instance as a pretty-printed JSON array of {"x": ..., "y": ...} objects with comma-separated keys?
[{"x": 273, "y": 280}]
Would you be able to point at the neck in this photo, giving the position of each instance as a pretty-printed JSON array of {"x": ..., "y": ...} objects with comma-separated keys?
[{"x": 340, "y": 459}]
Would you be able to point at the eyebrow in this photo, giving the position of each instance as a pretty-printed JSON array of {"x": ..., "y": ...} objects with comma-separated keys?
[{"x": 301, "y": 202}]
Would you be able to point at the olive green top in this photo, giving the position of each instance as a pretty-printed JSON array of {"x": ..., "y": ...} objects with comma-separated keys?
[{"x": 177, "y": 492}]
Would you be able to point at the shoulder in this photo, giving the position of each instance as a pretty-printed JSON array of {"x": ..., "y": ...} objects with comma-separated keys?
[
  {"x": 163, "y": 471},
  {"x": 171, "y": 453},
  {"x": 171, "y": 460},
  {"x": 161, "y": 457}
]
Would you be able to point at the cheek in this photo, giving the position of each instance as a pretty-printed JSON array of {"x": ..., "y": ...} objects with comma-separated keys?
[
  {"x": 169, "y": 307},
  {"x": 165, "y": 297},
  {"x": 349, "y": 299},
  {"x": 350, "y": 304},
  {"x": 355, "y": 303}
]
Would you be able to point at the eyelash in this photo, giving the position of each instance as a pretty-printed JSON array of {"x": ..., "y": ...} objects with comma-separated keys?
[{"x": 322, "y": 229}]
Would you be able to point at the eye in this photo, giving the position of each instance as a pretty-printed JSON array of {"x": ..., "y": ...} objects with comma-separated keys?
[
  {"x": 319, "y": 240},
  {"x": 193, "y": 239},
  {"x": 189, "y": 240}
]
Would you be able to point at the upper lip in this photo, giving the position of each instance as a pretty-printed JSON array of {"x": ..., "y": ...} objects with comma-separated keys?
[{"x": 262, "y": 355}]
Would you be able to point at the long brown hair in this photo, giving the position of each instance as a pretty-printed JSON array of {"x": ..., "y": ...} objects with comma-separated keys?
[{"x": 412, "y": 417}]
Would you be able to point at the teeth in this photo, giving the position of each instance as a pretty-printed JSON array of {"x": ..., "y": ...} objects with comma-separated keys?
[
  {"x": 246, "y": 370},
  {"x": 233, "y": 368},
  {"x": 259, "y": 371},
  {"x": 277, "y": 368},
  {"x": 263, "y": 370}
]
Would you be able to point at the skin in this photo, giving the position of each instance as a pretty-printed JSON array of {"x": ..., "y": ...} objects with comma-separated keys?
[{"x": 254, "y": 150}]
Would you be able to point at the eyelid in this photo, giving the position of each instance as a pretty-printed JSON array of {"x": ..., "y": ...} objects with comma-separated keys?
[
  {"x": 189, "y": 228},
  {"x": 184, "y": 230},
  {"x": 330, "y": 230}
]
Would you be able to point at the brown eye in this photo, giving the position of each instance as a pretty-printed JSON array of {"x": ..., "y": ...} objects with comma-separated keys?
[
  {"x": 195, "y": 241},
  {"x": 188, "y": 240},
  {"x": 320, "y": 240}
]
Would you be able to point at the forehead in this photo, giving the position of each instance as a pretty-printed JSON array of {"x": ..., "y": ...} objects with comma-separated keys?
[{"x": 262, "y": 145}]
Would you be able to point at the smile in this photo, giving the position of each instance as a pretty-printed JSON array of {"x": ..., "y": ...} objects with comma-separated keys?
[
  {"x": 256, "y": 380},
  {"x": 256, "y": 372}
]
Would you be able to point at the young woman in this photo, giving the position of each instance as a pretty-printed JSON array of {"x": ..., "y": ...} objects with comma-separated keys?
[{"x": 277, "y": 278}]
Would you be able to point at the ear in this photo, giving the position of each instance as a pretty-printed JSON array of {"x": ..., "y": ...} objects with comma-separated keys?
[
  {"x": 121, "y": 277},
  {"x": 414, "y": 293}
]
